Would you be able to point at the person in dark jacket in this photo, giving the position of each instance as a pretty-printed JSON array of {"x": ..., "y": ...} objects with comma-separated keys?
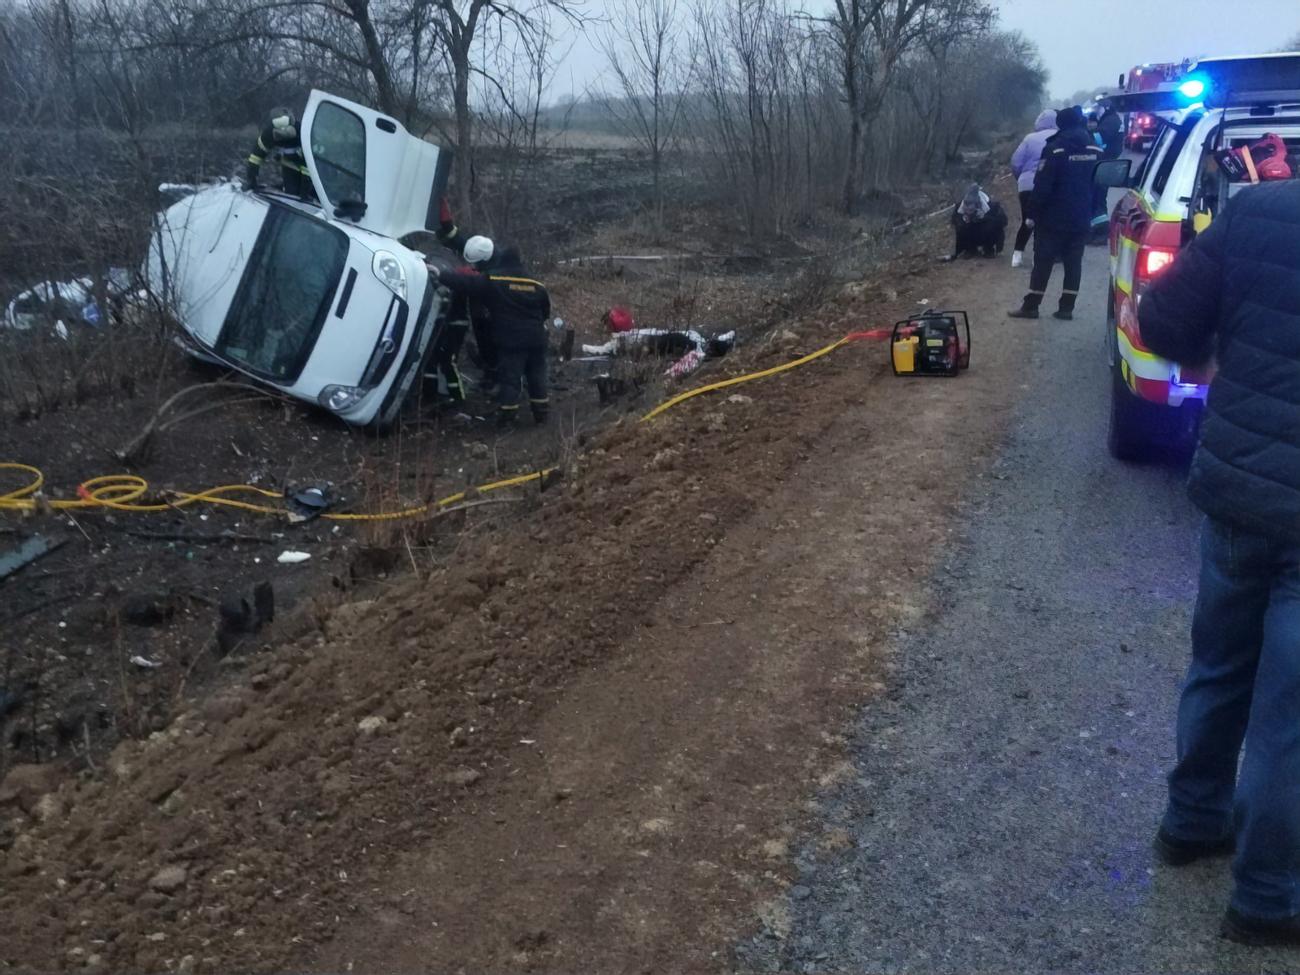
[
  {"x": 280, "y": 138},
  {"x": 1234, "y": 294},
  {"x": 519, "y": 308},
  {"x": 1110, "y": 133},
  {"x": 979, "y": 225},
  {"x": 1062, "y": 209},
  {"x": 465, "y": 314}
]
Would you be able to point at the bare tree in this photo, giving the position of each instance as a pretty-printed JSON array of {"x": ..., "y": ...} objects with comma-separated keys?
[
  {"x": 644, "y": 54},
  {"x": 871, "y": 38},
  {"x": 457, "y": 24},
  {"x": 515, "y": 71}
]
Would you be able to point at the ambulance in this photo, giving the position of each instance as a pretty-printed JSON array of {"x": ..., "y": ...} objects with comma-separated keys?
[{"x": 1228, "y": 123}]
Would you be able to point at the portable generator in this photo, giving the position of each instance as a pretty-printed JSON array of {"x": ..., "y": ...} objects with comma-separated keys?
[{"x": 935, "y": 344}]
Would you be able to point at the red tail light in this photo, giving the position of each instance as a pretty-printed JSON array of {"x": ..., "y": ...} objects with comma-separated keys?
[{"x": 1153, "y": 260}]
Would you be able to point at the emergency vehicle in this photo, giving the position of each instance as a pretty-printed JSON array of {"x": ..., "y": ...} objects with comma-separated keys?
[
  {"x": 1141, "y": 127},
  {"x": 1222, "y": 108}
]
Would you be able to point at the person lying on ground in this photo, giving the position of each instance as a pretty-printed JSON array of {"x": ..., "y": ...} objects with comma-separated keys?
[{"x": 689, "y": 346}]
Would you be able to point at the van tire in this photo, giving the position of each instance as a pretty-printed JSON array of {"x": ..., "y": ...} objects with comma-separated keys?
[{"x": 1134, "y": 423}]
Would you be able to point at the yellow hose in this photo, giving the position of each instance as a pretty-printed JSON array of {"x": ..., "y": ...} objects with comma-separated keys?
[
  {"x": 737, "y": 380},
  {"x": 122, "y": 492}
]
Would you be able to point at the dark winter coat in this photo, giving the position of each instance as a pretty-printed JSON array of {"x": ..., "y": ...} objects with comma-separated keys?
[
  {"x": 1234, "y": 292},
  {"x": 1063, "y": 191},
  {"x": 1111, "y": 130},
  {"x": 986, "y": 234},
  {"x": 517, "y": 305},
  {"x": 272, "y": 140}
]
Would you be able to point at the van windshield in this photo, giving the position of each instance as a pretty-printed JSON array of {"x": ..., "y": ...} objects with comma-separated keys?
[{"x": 286, "y": 292}]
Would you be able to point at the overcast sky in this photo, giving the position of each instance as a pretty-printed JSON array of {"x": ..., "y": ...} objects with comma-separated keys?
[
  {"x": 1088, "y": 43},
  {"x": 1085, "y": 43}
]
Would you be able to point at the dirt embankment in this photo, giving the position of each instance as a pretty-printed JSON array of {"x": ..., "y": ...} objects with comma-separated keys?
[{"x": 262, "y": 820}]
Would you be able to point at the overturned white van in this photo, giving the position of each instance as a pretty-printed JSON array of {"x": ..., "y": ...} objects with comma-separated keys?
[{"x": 318, "y": 300}]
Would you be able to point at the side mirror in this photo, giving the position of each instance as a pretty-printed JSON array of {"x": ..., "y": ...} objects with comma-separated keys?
[{"x": 1113, "y": 172}]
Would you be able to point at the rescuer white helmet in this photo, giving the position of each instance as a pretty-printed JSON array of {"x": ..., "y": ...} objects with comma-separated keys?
[
  {"x": 284, "y": 122},
  {"x": 479, "y": 250}
]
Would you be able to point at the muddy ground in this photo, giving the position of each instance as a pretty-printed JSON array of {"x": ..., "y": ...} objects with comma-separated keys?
[{"x": 564, "y": 731}]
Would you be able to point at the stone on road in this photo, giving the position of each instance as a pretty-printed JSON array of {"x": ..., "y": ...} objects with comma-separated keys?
[{"x": 1008, "y": 789}]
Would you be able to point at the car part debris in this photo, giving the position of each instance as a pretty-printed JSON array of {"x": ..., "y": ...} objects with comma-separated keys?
[
  {"x": 289, "y": 557},
  {"x": 307, "y": 504},
  {"x": 238, "y": 615},
  {"x": 25, "y": 554},
  {"x": 610, "y": 388}
]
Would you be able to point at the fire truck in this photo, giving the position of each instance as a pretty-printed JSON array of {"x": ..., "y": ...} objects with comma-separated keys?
[
  {"x": 1141, "y": 127},
  {"x": 1222, "y": 111}
]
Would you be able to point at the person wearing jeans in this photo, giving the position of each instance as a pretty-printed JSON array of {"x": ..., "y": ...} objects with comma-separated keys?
[
  {"x": 1243, "y": 687},
  {"x": 1234, "y": 294},
  {"x": 1024, "y": 166}
]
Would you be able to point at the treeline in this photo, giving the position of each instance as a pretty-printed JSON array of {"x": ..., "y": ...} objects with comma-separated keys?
[{"x": 780, "y": 112}]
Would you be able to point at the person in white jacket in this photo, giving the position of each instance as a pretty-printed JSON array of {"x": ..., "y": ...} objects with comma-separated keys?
[{"x": 1024, "y": 164}]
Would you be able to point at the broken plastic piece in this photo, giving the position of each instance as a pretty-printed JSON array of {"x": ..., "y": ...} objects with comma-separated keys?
[
  {"x": 145, "y": 664},
  {"x": 289, "y": 557},
  {"x": 307, "y": 504},
  {"x": 26, "y": 553}
]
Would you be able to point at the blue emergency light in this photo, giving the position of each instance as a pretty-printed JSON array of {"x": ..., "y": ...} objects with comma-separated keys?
[{"x": 1193, "y": 88}]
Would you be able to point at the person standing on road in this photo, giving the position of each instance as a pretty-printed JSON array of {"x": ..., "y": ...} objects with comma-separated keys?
[
  {"x": 1061, "y": 204},
  {"x": 1024, "y": 164},
  {"x": 1110, "y": 133},
  {"x": 519, "y": 308},
  {"x": 1234, "y": 294}
]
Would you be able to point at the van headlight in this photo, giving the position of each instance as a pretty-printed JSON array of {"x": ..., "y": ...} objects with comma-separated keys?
[
  {"x": 340, "y": 399},
  {"x": 389, "y": 270}
]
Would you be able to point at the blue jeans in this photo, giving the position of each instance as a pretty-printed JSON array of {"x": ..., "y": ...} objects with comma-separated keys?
[{"x": 1243, "y": 687}]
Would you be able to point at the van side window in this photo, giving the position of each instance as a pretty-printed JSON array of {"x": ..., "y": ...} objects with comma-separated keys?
[{"x": 338, "y": 146}]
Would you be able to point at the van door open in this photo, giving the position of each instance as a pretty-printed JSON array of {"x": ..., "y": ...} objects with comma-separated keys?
[{"x": 369, "y": 170}]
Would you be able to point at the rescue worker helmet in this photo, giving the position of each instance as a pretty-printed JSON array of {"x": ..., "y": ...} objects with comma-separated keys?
[
  {"x": 479, "y": 250},
  {"x": 284, "y": 121}
]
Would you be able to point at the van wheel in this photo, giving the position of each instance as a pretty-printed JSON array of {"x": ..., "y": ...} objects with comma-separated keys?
[{"x": 1134, "y": 423}]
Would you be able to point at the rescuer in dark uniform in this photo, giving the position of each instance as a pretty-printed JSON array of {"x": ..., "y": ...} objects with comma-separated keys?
[
  {"x": 519, "y": 308},
  {"x": 464, "y": 314},
  {"x": 280, "y": 138},
  {"x": 1061, "y": 212}
]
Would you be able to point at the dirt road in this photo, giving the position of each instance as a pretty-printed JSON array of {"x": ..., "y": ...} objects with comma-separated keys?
[
  {"x": 1003, "y": 796},
  {"x": 658, "y": 801}
]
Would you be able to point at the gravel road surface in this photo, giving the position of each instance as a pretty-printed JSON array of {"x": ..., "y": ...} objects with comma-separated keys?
[{"x": 1007, "y": 789}]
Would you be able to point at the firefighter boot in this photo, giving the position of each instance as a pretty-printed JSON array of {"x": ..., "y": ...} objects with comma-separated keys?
[
  {"x": 1065, "y": 310},
  {"x": 1029, "y": 307},
  {"x": 541, "y": 410}
]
